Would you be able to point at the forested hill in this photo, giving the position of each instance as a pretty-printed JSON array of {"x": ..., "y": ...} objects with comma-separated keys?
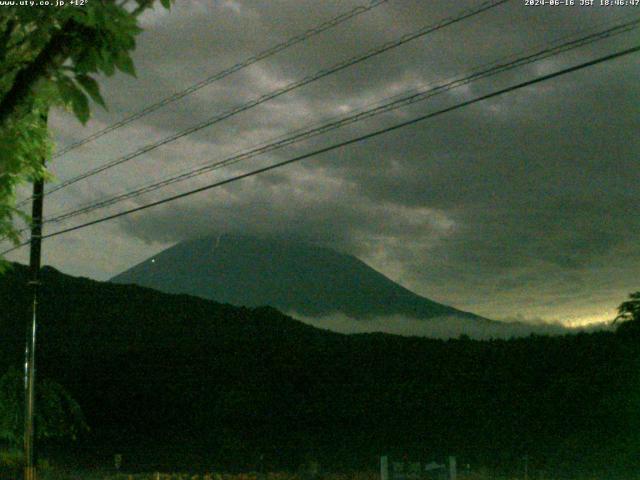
[{"x": 174, "y": 381}]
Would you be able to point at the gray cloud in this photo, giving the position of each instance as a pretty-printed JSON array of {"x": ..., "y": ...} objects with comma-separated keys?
[{"x": 523, "y": 203}]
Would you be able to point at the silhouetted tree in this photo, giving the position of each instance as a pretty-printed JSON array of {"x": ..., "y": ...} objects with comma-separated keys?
[
  {"x": 58, "y": 415},
  {"x": 629, "y": 310}
]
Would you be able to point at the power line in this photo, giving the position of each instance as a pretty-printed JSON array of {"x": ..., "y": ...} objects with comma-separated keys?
[
  {"x": 376, "y": 133},
  {"x": 288, "y": 88},
  {"x": 396, "y": 102},
  {"x": 329, "y": 24}
]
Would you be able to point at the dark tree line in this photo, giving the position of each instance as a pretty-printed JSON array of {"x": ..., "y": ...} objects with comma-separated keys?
[{"x": 174, "y": 381}]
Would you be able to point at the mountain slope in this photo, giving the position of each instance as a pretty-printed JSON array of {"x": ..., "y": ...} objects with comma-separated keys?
[{"x": 293, "y": 277}]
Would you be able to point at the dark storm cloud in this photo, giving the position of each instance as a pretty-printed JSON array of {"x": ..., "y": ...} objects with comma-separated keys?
[{"x": 523, "y": 203}]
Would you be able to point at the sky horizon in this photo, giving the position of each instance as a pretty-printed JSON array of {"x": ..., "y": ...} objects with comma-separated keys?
[{"x": 517, "y": 208}]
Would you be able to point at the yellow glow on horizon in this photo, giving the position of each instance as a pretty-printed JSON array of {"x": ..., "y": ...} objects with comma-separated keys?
[{"x": 587, "y": 320}]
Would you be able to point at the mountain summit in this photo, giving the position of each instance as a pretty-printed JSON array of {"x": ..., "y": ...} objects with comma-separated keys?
[{"x": 291, "y": 276}]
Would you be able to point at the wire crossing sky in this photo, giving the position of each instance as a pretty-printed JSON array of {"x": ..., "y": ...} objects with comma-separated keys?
[
  {"x": 288, "y": 88},
  {"x": 398, "y": 102},
  {"x": 511, "y": 208},
  {"x": 591, "y": 63},
  {"x": 323, "y": 27}
]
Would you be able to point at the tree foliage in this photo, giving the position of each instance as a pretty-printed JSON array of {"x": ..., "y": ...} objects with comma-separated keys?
[
  {"x": 629, "y": 311},
  {"x": 52, "y": 57},
  {"x": 57, "y": 414}
]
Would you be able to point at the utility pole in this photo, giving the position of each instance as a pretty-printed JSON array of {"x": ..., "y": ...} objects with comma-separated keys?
[{"x": 30, "y": 348}]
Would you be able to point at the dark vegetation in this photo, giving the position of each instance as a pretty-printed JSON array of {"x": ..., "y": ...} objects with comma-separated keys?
[{"x": 173, "y": 381}]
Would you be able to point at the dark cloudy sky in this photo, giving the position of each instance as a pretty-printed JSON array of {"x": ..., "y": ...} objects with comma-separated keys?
[{"x": 524, "y": 206}]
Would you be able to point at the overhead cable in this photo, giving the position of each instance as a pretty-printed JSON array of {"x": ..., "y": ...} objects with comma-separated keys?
[
  {"x": 351, "y": 141},
  {"x": 307, "y": 34},
  {"x": 397, "y": 101},
  {"x": 279, "y": 92}
]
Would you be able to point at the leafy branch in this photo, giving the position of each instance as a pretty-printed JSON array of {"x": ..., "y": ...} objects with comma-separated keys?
[{"x": 52, "y": 57}]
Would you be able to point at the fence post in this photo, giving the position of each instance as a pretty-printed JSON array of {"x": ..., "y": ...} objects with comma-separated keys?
[
  {"x": 384, "y": 467},
  {"x": 453, "y": 474}
]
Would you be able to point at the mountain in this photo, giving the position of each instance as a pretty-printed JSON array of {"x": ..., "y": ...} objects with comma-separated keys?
[
  {"x": 291, "y": 276},
  {"x": 180, "y": 382}
]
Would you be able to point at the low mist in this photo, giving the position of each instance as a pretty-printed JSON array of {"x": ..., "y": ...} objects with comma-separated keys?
[{"x": 441, "y": 327}]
